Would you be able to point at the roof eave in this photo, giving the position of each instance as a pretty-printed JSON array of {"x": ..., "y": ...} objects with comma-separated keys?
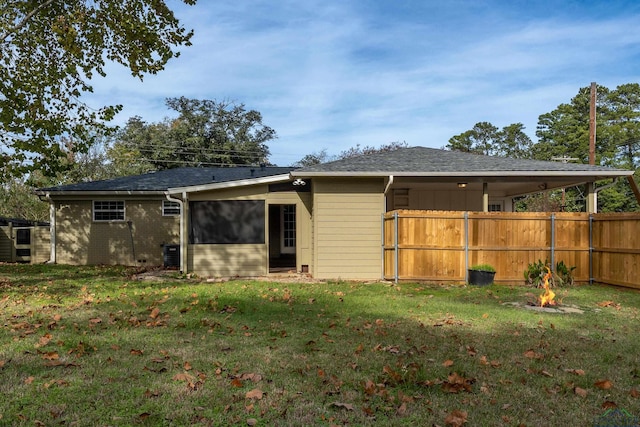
[
  {"x": 524, "y": 174},
  {"x": 99, "y": 193},
  {"x": 229, "y": 184}
]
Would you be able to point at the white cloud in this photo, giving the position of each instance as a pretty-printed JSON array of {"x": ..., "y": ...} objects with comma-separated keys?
[{"x": 334, "y": 74}]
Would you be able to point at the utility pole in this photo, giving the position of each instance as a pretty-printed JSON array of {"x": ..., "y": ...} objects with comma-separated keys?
[{"x": 592, "y": 125}]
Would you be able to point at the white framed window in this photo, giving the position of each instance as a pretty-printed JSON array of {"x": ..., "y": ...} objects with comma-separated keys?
[
  {"x": 108, "y": 210},
  {"x": 170, "y": 208},
  {"x": 496, "y": 207}
]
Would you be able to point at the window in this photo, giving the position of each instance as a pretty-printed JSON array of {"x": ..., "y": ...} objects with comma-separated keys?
[
  {"x": 23, "y": 236},
  {"x": 170, "y": 208},
  {"x": 108, "y": 210},
  {"x": 227, "y": 222},
  {"x": 495, "y": 207}
]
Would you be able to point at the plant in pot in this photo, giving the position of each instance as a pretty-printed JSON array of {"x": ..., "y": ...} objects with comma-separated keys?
[{"x": 481, "y": 274}]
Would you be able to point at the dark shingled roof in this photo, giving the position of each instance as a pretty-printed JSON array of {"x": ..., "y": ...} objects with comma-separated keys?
[
  {"x": 422, "y": 161},
  {"x": 178, "y": 177}
]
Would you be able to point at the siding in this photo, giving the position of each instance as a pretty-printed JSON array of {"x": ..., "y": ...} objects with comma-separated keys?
[
  {"x": 228, "y": 260},
  {"x": 6, "y": 245},
  {"x": 82, "y": 241},
  {"x": 40, "y": 245},
  {"x": 347, "y": 231}
]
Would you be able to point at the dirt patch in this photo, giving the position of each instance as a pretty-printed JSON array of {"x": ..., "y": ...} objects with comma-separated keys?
[{"x": 561, "y": 309}]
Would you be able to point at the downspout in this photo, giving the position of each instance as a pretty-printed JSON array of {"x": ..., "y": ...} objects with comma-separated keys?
[
  {"x": 386, "y": 190},
  {"x": 386, "y": 205},
  {"x": 182, "y": 243}
]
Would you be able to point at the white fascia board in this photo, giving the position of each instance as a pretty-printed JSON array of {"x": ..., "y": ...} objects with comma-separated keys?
[
  {"x": 509, "y": 174},
  {"x": 230, "y": 184}
]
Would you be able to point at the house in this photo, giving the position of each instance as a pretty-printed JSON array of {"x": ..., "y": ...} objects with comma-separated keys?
[{"x": 324, "y": 220}]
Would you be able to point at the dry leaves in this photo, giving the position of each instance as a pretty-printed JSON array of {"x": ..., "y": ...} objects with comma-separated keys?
[
  {"x": 456, "y": 418},
  {"x": 255, "y": 394},
  {"x": 603, "y": 384}
]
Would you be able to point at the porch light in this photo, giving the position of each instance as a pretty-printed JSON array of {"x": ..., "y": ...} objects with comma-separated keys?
[
  {"x": 462, "y": 185},
  {"x": 298, "y": 181}
]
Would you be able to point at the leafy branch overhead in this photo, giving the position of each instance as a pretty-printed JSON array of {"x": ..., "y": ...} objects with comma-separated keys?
[{"x": 50, "y": 53}]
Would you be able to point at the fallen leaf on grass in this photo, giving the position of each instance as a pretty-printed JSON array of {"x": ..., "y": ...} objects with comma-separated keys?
[
  {"x": 447, "y": 363},
  {"x": 634, "y": 393},
  {"x": 51, "y": 355},
  {"x": 346, "y": 406},
  {"x": 575, "y": 371},
  {"x": 580, "y": 392},
  {"x": 393, "y": 374},
  {"x": 456, "y": 383},
  {"x": 183, "y": 377},
  {"x": 256, "y": 393},
  {"x": 402, "y": 409},
  {"x": 609, "y": 405},
  {"x": 456, "y": 418},
  {"x": 533, "y": 355},
  {"x": 609, "y": 304},
  {"x": 603, "y": 384},
  {"x": 44, "y": 340}
]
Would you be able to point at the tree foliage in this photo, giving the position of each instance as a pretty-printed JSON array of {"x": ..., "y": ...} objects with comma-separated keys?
[
  {"x": 205, "y": 133},
  {"x": 51, "y": 50},
  {"x": 323, "y": 157},
  {"x": 485, "y": 138},
  {"x": 563, "y": 135}
]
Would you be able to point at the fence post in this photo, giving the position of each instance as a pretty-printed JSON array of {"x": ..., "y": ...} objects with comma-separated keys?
[
  {"x": 591, "y": 249},
  {"x": 553, "y": 242},
  {"x": 395, "y": 243},
  {"x": 382, "y": 246},
  {"x": 466, "y": 246}
]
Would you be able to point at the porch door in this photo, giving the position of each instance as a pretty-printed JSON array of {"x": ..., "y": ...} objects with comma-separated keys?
[
  {"x": 288, "y": 229},
  {"x": 22, "y": 244}
]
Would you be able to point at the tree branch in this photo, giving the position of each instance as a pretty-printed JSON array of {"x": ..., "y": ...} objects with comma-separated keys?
[{"x": 25, "y": 20}]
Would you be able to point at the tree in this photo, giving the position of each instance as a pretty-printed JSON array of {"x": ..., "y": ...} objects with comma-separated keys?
[
  {"x": 205, "y": 133},
  {"x": 565, "y": 132},
  {"x": 314, "y": 158},
  {"x": 513, "y": 142},
  {"x": 487, "y": 139},
  {"x": 322, "y": 156},
  {"x": 51, "y": 50},
  {"x": 367, "y": 149}
]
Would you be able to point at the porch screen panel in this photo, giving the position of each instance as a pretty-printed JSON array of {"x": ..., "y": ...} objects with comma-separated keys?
[{"x": 227, "y": 222}]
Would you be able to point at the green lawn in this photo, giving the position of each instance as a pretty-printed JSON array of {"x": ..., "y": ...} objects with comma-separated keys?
[{"x": 88, "y": 346}]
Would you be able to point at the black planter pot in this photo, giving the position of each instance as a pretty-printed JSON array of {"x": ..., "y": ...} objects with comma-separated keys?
[{"x": 481, "y": 278}]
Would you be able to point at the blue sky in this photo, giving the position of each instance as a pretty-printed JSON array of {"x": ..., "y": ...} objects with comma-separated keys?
[{"x": 330, "y": 74}]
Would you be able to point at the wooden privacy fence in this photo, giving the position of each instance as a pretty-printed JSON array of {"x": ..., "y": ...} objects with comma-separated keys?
[{"x": 441, "y": 245}]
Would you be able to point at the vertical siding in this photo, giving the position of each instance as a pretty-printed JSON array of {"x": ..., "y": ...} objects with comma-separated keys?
[{"x": 347, "y": 231}]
